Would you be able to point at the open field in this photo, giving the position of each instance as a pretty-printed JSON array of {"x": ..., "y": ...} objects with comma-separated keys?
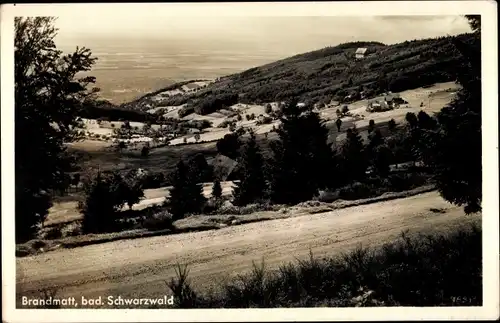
[
  {"x": 101, "y": 153},
  {"x": 434, "y": 99},
  {"x": 138, "y": 268},
  {"x": 65, "y": 212}
]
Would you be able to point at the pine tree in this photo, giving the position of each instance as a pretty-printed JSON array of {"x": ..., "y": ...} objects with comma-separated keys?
[
  {"x": 353, "y": 156},
  {"x": 382, "y": 159},
  {"x": 411, "y": 119},
  {"x": 391, "y": 125},
  {"x": 199, "y": 169},
  {"x": 371, "y": 126},
  {"x": 217, "y": 190},
  {"x": 425, "y": 121},
  {"x": 186, "y": 195},
  {"x": 301, "y": 157},
  {"x": 376, "y": 140},
  {"x": 252, "y": 186},
  {"x": 453, "y": 150},
  {"x": 105, "y": 195},
  {"x": 338, "y": 123}
]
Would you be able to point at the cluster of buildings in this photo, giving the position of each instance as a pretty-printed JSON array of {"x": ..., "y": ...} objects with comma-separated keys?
[{"x": 388, "y": 102}]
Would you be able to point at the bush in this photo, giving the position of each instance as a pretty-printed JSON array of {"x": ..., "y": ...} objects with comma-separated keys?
[
  {"x": 406, "y": 181},
  {"x": 420, "y": 270},
  {"x": 54, "y": 233},
  {"x": 153, "y": 180},
  {"x": 159, "y": 221},
  {"x": 357, "y": 191},
  {"x": 328, "y": 196}
]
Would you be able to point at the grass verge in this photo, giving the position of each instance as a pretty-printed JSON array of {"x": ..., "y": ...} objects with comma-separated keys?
[{"x": 418, "y": 270}]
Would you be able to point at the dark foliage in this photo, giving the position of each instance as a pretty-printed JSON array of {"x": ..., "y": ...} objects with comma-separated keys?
[
  {"x": 252, "y": 185},
  {"x": 301, "y": 156},
  {"x": 352, "y": 157},
  {"x": 333, "y": 73},
  {"x": 229, "y": 145},
  {"x": 199, "y": 169},
  {"x": 105, "y": 195},
  {"x": 217, "y": 189},
  {"x": 420, "y": 270},
  {"x": 186, "y": 196},
  {"x": 459, "y": 176},
  {"x": 48, "y": 97}
]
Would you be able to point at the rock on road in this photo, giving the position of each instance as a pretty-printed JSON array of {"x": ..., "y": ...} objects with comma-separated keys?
[{"x": 139, "y": 268}]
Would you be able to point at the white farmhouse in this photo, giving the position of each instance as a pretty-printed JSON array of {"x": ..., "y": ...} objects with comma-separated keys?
[{"x": 360, "y": 53}]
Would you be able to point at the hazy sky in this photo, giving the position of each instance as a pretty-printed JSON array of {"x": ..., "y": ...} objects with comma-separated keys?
[
  {"x": 288, "y": 27},
  {"x": 388, "y": 29},
  {"x": 279, "y": 23}
]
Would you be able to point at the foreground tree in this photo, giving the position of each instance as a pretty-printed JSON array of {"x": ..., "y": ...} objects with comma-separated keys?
[
  {"x": 353, "y": 157},
  {"x": 371, "y": 126},
  {"x": 458, "y": 175},
  {"x": 338, "y": 123},
  {"x": 252, "y": 186},
  {"x": 47, "y": 100},
  {"x": 199, "y": 169},
  {"x": 105, "y": 196},
  {"x": 301, "y": 157},
  {"x": 186, "y": 195},
  {"x": 391, "y": 125},
  {"x": 217, "y": 190}
]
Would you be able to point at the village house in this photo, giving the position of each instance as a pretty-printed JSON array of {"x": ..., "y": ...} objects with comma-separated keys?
[
  {"x": 394, "y": 99},
  {"x": 377, "y": 106},
  {"x": 193, "y": 130},
  {"x": 191, "y": 87},
  {"x": 361, "y": 53}
]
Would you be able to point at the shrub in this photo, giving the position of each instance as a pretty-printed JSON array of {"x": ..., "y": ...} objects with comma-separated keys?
[
  {"x": 328, "y": 196},
  {"x": 184, "y": 295},
  {"x": 54, "y": 233},
  {"x": 419, "y": 270},
  {"x": 356, "y": 191},
  {"x": 159, "y": 221},
  {"x": 405, "y": 181}
]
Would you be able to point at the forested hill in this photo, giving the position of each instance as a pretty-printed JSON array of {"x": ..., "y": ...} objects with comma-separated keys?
[{"x": 327, "y": 74}]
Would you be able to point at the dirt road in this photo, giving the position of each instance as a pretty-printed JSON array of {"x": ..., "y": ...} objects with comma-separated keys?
[{"x": 139, "y": 267}]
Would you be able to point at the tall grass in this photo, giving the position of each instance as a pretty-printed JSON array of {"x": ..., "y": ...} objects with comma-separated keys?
[{"x": 418, "y": 270}]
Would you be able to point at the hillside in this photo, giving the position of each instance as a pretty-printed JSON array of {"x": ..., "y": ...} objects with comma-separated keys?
[{"x": 321, "y": 76}]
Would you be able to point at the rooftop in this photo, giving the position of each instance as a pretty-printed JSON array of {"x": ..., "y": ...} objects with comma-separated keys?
[{"x": 361, "y": 50}]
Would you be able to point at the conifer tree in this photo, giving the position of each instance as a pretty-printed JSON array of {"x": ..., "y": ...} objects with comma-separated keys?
[
  {"x": 353, "y": 156},
  {"x": 252, "y": 184},
  {"x": 301, "y": 156},
  {"x": 186, "y": 195},
  {"x": 338, "y": 123},
  {"x": 371, "y": 126},
  {"x": 217, "y": 190},
  {"x": 199, "y": 169},
  {"x": 391, "y": 125}
]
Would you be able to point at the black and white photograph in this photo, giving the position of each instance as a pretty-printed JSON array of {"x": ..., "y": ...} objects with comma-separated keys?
[{"x": 327, "y": 157}]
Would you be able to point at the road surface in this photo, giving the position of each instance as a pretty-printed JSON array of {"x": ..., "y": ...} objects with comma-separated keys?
[{"x": 140, "y": 267}]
